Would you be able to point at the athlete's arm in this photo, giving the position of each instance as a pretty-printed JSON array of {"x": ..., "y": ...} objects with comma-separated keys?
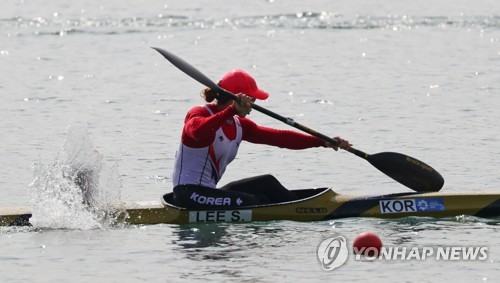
[{"x": 282, "y": 138}]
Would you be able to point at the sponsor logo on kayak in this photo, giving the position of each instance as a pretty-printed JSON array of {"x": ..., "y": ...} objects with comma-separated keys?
[
  {"x": 411, "y": 205},
  {"x": 310, "y": 210},
  {"x": 332, "y": 253},
  {"x": 220, "y": 216}
]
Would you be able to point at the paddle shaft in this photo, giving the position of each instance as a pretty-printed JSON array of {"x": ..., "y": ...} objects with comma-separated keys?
[{"x": 291, "y": 122}]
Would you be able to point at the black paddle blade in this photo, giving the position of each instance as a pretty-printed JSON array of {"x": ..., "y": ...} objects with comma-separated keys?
[
  {"x": 408, "y": 171},
  {"x": 188, "y": 69}
]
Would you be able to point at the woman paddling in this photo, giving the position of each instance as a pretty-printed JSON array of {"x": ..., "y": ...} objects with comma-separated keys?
[{"x": 211, "y": 137}]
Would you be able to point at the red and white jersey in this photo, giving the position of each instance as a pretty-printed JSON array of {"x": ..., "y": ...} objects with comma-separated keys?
[{"x": 205, "y": 166}]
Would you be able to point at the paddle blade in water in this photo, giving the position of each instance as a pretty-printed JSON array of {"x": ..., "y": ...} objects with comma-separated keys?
[{"x": 408, "y": 171}]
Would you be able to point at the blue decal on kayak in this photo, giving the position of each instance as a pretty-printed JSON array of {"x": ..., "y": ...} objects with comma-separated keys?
[{"x": 430, "y": 204}]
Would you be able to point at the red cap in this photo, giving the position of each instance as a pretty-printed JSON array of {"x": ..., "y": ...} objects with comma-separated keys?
[{"x": 239, "y": 81}]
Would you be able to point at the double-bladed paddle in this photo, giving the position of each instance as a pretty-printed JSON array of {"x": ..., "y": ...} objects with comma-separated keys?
[{"x": 407, "y": 170}]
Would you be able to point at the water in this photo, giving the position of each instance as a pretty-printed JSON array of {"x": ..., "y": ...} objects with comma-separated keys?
[{"x": 416, "y": 77}]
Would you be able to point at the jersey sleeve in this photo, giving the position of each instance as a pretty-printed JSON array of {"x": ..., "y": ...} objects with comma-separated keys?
[
  {"x": 200, "y": 127},
  {"x": 281, "y": 138}
]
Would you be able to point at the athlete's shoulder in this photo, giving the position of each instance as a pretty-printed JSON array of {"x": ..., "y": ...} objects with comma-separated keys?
[{"x": 199, "y": 110}]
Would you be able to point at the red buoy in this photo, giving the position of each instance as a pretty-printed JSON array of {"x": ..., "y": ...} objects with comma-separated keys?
[{"x": 367, "y": 244}]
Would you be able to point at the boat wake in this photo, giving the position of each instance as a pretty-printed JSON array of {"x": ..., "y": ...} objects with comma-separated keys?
[{"x": 77, "y": 190}]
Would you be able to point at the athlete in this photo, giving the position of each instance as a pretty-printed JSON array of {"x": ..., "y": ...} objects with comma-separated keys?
[{"x": 211, "y": 137}]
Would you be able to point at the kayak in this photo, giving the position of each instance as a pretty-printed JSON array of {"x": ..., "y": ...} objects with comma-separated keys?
[{"x": 312, "y": 205}]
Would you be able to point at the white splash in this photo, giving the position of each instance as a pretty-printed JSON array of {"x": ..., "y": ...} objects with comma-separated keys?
[{"x": 78, "y": 189}]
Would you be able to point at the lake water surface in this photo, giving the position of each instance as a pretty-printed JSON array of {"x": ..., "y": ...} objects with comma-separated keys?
[{"x": 79, "y": 82}]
